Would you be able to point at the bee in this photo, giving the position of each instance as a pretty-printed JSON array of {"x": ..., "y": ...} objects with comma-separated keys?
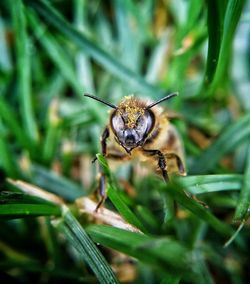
[{"x": 140, "y": 130}]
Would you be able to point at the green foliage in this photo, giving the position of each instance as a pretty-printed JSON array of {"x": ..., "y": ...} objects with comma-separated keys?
[{"x": 52, "y": 52}]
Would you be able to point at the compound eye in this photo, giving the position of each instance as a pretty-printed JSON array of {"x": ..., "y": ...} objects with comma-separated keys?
[
  {"x": 117, "y": 123},
  {"x": 145, "y": 123}
]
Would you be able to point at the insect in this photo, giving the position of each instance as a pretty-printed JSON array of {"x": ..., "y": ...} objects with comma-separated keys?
[{"x": 139, "y": 130}]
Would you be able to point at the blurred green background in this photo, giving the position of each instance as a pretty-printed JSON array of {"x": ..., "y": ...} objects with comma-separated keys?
[{"x": 51, "y": 52}]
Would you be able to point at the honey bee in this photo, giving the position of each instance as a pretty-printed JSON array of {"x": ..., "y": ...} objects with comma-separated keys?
[{"x": 139, "y": 130}]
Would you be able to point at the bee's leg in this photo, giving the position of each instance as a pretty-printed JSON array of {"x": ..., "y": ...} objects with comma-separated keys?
[
  {"x": 179, "y": 162},
  {"x": 102, "y": 182},
  {"x": 102, "y": 192},
  {"x": 104, "y": 137},
  {"x": 161, "y": 162}
]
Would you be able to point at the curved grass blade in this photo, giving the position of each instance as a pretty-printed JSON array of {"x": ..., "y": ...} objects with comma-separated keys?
[
  {"x": 228, "y": 141},
  {"x": 55, "y": 183},
  {"x": 176, "y": 191},
  {"x": 19, "y": 205},
  {"x": 242, "y": 208},
  {"x": 223, "y": 17},
  {"x": 215, "y": 17},
  {"x": 211, "y": 183},
  {"x": 7, "y": 161},
  {"x": 54, "y": 50},
  {"x": 232, "y": 15},
  {"x": 9, "y": 117},
  {"x": 161, "y": 253},
  {"x": 113, "y": 194},
  {"x": 53, "y": 132},
  {"x": 24, "y": 71},
  {"x": 102, "y": 57},
  {"x": 86, "y": 248},
  {"x": 60, "y": 59}
]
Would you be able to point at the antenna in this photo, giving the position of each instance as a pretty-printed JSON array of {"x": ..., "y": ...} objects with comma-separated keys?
[
  {"x": 163, "y": 99},
  {"x": 100, "y": 100}
]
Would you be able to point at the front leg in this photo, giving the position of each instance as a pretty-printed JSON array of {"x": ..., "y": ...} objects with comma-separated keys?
[
  {"x": 102, "y": 181},
  {"x": 104, "y": 138},
  {"x": 161, "y": 162},
  {"x": 180, "y": 165}
]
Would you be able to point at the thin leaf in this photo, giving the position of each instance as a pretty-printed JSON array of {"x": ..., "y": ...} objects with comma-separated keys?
[
  {"x": 54, "y": 50},
  {"x": 232, "y": 137},
  {"x": 221, "y": 26},
  {"x": 161, "y": 253},
  {"x": 85, "y": 247},
  {"x": 232, "y": 15},
  {"x": 176, "y": 191},
  {"x": 55, "y": 183},
  {"x": 113, "y": 194},
  {"x": 7, "y": 161},
  {"x": 242, "y": 208},
  {"x": 24, "y": 71},
  {"x": 18, "y": 205},
  {"x": 53, "y": 133},
  {"x": 215, "y": 29},
  {"x": 10, "y": 119},
  {"x": 211, "y": 183}
]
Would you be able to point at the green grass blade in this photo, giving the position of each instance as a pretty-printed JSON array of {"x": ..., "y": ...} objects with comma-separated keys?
[
  {"x": 215, "y": 28},
  {"x": 53, "y": 133},
  {"x": 7, "y": 161},
  {"x": 18, "y": 205},
  {"x": 234, "y": 135},
  {"x": 221, "y": 26},
  {"x": 54, "y": 50},
  {"x": 176, "y": 191},
  {"x": 102, "y": 57},
  {"x": 85, "y": 247},
  {"x": 232, "y": 16},
  {"x": 242, "y": 209},
  {"x": 24, "y": 71},
  {"x": 162, "y": 253},
  {"x": 123, "y": 209},
  {"x": 211, "y": 183},
  {"x": 10, "y": 119},
  {"x": 55, "y": 183},
  {"x": 113, "y": 194}
]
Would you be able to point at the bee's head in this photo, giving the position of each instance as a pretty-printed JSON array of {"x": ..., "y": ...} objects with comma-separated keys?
[
  {"x": 132, "y": 120},
  {"x": 131, "y": 123}
]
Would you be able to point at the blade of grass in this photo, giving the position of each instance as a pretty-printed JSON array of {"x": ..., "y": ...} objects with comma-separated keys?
[
  {"x": 53, "y": 133},
  {"x": 102, "y": 57},
  {"x": 24, "y": 71},
  {"x": 161, "y": 253},
  {"x": 113, "y": 194},
  {"x": 55, "y": 183},
  {"x": 176, "y": 191},
  {"x": 18, "y": 205},
  {"x": 123, "y": 209},
  {"x": 7, "y": 161},
  {"x": 232, "y": 16},
  {"x": 84, "y": 68},
  {"x": 54, "y": 50},
  {"x": 85, "y": 247},
  {"x": 216, "y": 10},
  {"x": 60, "y": 59},
  {"x": 232, "y": 137},
  {"x": 211, "y": 183},
  {"x": 242, "y": 208},
  {"x": 10, "y": 118},
  {"x": 221, "y": 27}
]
